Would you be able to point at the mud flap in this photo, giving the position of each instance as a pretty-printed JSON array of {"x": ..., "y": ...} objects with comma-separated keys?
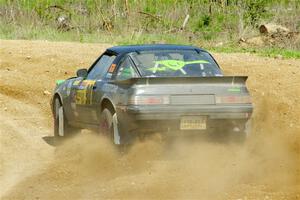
[
  {"x": 116, "y": 130},
  {"x": 60, "y": 121},
  {"x": 248, "y": 128}
]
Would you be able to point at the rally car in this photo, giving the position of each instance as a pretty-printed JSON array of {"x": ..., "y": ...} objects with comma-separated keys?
[{"x": 136, "y": 90}]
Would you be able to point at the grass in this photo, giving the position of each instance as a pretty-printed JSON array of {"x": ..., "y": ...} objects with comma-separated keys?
[
  {"x": 146, "y": 21},
  {"x": 8, "y": 31},
  {"x": 48, "y": 33},
  {"x": 272, "y": 52}
]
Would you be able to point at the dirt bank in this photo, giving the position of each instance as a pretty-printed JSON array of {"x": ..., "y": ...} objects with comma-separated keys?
[{"x": 87, "y": 166}]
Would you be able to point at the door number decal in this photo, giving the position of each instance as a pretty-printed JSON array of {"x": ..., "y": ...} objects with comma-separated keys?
[{"x": 84, "y": 94}]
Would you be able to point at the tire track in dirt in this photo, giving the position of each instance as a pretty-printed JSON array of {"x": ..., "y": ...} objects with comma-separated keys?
[{"x": 22, "y": 151}]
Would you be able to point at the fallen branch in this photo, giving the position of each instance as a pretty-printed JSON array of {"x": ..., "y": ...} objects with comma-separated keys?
[{"x": 272, "y": 28}]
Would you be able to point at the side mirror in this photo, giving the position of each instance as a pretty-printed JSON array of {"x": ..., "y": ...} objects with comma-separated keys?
[{"x": 82, "y": 73}]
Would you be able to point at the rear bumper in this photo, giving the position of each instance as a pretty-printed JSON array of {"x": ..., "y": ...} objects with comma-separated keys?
[
  {"x": 165, "y": 118},
  {"x": 176, "y": 112}
]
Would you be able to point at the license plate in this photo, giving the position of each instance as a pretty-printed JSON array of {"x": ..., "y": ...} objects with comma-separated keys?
[{"x": 193, "y": 123}]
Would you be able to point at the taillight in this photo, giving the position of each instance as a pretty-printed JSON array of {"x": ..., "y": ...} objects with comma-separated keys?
[
  {"x": 149, "y": 100},
  {"x": 233, "y": 99}
]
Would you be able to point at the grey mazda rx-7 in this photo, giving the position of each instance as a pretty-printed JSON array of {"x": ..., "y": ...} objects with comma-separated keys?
[{"x": 132, "y": 91}]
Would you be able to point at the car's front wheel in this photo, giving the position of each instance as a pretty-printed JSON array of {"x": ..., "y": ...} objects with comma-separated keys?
[
  {"x": 61, "y": 126},
  {"x": 59, "y": 129}
]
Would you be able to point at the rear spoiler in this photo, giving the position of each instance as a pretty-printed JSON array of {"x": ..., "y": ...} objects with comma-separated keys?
[{"x": 184, "y": 80}]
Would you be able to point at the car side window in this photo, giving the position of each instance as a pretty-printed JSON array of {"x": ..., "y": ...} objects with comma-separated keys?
[
  {"x": 100, "y": 68},
  {"x": 126, "y": 70}
]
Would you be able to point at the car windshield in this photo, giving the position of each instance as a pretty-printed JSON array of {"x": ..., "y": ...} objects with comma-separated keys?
[{"x": 175, "y": 63}]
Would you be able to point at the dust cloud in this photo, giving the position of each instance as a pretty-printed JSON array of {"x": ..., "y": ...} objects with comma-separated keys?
[{"x": 88, "y": 166}]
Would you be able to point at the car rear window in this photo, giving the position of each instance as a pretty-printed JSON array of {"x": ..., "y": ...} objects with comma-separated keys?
[{"x": 175, "y": 63}]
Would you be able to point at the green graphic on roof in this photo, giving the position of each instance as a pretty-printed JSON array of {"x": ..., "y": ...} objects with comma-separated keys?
[{"x": 173, "y": 64}]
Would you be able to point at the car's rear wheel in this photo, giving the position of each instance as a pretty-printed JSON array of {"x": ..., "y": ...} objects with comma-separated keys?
[
  {"x": 240, "y": 133},
  {"x": 246, "y": 132},
  {"x": 61, "y": 126},
  {"x": 112, "y": 126},
  {"x": 109, "y": 125},
  {"x": 237, "y": 132}
]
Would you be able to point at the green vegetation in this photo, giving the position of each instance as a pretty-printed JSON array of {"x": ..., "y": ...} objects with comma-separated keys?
[
  {"x": 274, "y": 52},
  {"x": 213, "y": 24}
]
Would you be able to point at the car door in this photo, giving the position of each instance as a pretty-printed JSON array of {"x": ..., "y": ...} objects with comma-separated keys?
[{"x": 85, "y": 91}]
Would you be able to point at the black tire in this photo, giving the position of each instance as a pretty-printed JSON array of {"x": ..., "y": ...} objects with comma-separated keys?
[
  {"x": 106, "y": 123},
  {"x": 228, "y": 135},
  {"x": 61, "y": 126},
  {"x": 239, "y": 138},
  {"x": 247, "y": 131},
  {"x": 111, "y": 126},
  {"x": 242, "y": 136}
]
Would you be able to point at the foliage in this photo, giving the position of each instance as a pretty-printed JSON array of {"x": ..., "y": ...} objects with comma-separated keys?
[
  {"x": 268, "y": 52},
  {"x": 142, "y": 21},
  {"x": 255, "y": 10}
]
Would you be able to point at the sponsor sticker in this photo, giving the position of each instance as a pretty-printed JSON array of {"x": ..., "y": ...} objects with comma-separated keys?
[
  {"x": 76, "y": 83},
  {"x": 112, "y": 68},
  {"x": 84, "y": 94}
]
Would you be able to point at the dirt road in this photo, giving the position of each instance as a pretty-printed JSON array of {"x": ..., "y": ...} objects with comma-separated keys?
[{"x": 87, "y": 166}]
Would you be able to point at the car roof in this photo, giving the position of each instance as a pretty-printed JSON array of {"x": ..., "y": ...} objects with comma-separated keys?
[{"x": 149, "y": 47}]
